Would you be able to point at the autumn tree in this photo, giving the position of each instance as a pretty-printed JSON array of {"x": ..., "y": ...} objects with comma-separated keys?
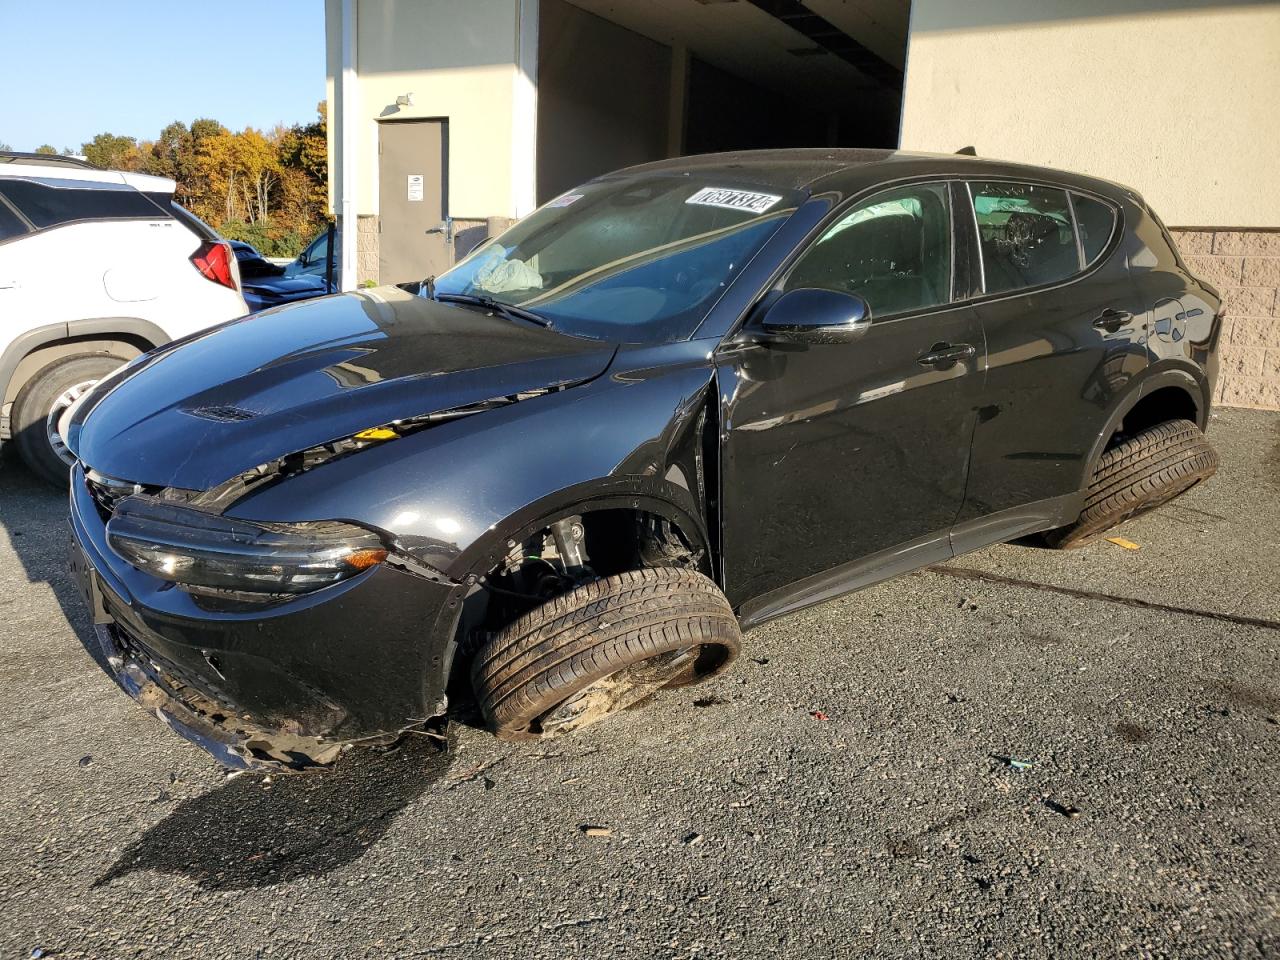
[
  {"x": 267, "y": 188},
  {"x": 48, "y": 149}
]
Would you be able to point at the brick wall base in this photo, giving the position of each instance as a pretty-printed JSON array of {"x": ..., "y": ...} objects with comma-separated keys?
[
  {"x": 1245, "y": 267},
  {"x": 468, "y": 234},
  {"x": 367, "y": 248}
]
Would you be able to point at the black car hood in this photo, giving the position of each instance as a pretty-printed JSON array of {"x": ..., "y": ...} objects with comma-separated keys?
[
  {"x": 254, "y": 390},
  {"x": 280, "y": 286}
]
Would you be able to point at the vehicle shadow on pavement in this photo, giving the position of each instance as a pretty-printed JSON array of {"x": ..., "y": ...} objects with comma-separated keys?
[
  {"x": 255, "y": 832},
  {"x": 34, "y": 517}
]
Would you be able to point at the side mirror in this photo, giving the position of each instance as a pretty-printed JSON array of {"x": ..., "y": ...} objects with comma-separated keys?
[{"x": 810, "y": 315}]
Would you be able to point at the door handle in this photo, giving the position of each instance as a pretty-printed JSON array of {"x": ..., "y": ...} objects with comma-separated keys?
[
  {"x": 445, "y": 227},
  {"x": 1112, "y": 319},
  {"x": 946, "y": 354}
]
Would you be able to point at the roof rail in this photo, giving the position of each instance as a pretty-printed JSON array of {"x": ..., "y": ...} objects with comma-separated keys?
[
  {"x": 967, "y": 152},
  {"x": 44, "y": 159}
]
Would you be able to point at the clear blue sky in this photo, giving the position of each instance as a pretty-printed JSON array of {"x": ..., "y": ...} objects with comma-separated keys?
[{"x": 75, "y": 68}]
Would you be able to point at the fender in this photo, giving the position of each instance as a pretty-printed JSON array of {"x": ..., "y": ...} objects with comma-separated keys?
[
  {"x": 662, "y": 498},
  {"x": 99, "y": 327},
  {"x": 1166, "y": 373},
  {"x": 453, "y": 494}
]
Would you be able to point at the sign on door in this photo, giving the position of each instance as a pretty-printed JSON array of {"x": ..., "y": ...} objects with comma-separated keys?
[{"x": 415, "y": 186}]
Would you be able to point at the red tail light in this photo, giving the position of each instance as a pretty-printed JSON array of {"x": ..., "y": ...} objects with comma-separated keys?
[{"x": 213, "y": 259}]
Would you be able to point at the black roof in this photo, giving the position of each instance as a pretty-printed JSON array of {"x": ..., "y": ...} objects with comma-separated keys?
[
  {"x": 845, "y": 170},
  {"x": 44, "y": 159}
]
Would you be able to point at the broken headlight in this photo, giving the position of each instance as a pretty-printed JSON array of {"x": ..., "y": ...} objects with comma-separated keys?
[{"x": 198, "y": 549}]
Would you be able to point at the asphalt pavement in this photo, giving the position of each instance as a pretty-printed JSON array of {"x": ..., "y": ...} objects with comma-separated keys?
[{"x": 1019, "y": 753}]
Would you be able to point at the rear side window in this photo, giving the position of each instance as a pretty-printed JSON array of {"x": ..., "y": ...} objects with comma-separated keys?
[
  {"x": 1096, "y": 221},
  {"x": 1025, "y": 233},
  {"x": 11, "y": 224},
  {"x": 48, "y": 203},
  {"x": 893, "y": 250}
]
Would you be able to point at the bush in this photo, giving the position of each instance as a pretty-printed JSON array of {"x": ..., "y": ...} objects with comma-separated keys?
[{"x": 267, "y": 238}]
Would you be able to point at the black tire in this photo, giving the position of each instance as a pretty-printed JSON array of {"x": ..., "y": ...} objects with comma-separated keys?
[
  {"x": 35, "y": 400},
  {"x": 601, "y": 648},
  {"x": 1139, "y": 474}
]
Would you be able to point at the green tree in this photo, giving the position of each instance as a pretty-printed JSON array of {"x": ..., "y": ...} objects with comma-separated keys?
[
  {"x": 48, "y": 149},
  {"x": 170, "y": 153},
  {"x": 111, "y": 152}
]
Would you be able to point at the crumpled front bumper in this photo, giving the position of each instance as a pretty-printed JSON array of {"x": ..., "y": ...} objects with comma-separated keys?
[
  {"x": 230, "y": 739},
  {"x": 282, "y": 686}
]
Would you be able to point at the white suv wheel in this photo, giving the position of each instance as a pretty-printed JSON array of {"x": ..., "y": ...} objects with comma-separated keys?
[{"x": 59, "y": 416}]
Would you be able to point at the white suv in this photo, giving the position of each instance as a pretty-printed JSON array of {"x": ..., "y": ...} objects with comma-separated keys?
[{"x": 96, "y": 267}]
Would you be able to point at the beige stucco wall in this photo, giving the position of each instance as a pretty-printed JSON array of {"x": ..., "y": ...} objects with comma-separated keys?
[
  {"x": 459, "y": 61},
  {"x": 1180, "y": 100}
]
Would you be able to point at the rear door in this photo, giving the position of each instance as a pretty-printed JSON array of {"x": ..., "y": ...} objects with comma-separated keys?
[
  {"x": 92, "y": 246},
  {"x": 1065, "y": 332},
  {"x": 14, "y": 293}
]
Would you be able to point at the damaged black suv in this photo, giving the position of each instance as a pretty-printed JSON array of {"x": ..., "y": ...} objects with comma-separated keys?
[{"x": 670, "y": 405}]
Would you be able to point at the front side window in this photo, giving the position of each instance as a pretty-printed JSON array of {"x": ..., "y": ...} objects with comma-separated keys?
[
  {"x": 893, "y": 250},
  {"x": 1026, "y": 235},
  {"x": 634, "y": 259},
  {"x": 318, "y": 252}
]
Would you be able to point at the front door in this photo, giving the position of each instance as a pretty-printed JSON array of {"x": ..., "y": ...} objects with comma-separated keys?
[
  {"x": 834, "y": 453},
  {"x": 415, "y": 241}
]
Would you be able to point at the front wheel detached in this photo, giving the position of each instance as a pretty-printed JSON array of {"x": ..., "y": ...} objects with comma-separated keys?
[{"x": 602, "y": 648}]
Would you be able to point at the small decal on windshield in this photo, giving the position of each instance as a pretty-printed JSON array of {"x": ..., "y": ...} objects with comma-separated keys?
[
  {"x": 733, "y": 199},
  {"x": 565, "y": 199}
]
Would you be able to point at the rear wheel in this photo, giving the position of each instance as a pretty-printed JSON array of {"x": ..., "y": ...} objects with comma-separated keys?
[
  {"x": 602, "y": 648},
  {"x": 42, "y": 401},
  {"x": 1139, "y": 474}
]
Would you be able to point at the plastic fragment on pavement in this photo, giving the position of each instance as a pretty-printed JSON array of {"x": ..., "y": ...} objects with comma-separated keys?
[
  {"x": 1122, "y": 542},
  {"x": 818, "y": 715}
]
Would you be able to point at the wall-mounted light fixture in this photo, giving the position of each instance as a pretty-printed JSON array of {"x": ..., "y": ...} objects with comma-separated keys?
[{"x": 404, "y": 100}]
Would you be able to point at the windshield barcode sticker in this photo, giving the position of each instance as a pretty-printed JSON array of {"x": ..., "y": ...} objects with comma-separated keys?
[
  {"x": 565, "y": 200},
  {"x": 733, "y": 199}
]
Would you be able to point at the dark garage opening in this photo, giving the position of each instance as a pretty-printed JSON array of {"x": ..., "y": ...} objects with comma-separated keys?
[
  {"x": 725, "y": 112},
  {"x": 628, "y": 81}
]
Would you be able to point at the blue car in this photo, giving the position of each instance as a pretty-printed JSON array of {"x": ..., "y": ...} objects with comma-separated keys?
[{"x": 265, "y": 284}]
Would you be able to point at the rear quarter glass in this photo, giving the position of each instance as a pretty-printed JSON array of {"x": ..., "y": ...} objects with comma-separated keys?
[
  {"x": 1096, "y": 221},
  {"x": 11, "y": 224}
]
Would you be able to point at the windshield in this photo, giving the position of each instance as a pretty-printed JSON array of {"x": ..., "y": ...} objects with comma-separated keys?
[{"x": 637, "y": 259}]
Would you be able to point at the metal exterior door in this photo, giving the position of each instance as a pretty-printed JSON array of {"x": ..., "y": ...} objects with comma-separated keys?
[{"x": 415, "y": 235}]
